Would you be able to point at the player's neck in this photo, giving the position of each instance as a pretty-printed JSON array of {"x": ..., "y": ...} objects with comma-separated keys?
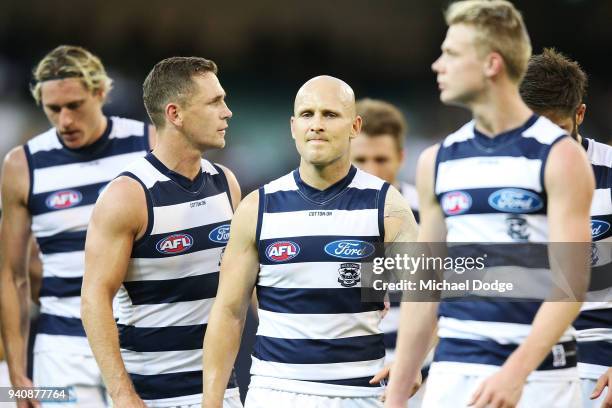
[
  {"x": 502, "y": 109},
  {"x": 177, "y": 155},
  {"x": 321, "y": 177}
]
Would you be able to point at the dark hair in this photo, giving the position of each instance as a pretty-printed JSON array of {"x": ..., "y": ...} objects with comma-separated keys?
[
  {"x": 172, "y": 80},
  {"x": 382, "y": 118},
  {"x": 553, "y": 83}
]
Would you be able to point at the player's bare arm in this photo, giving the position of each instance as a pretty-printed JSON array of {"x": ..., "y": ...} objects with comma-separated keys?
[
  {"x": 118, "y": 219},
  {"x": 418, "y": 319},
  {"x": 400, "y": 224},
  {"x": 236, "y": 283},
  {"x": 400, "y": 227},
  {"x": 14, "y": 283},
  {"x": 568, "y": 220}
]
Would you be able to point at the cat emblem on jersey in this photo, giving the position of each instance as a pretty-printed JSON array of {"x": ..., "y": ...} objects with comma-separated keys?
[
  {"x": 517, "y": 228},
  {"x": 349, "y": 274}
]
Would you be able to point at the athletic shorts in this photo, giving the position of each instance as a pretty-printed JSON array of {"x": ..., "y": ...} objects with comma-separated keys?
[
  {"x": 78, "y": 372},
  {"x": 454, "y": 390},
  {"x": 267, "y": 398}
]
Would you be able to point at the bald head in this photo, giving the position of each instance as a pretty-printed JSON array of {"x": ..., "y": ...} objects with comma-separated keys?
[{"x": 326, "y": 88}]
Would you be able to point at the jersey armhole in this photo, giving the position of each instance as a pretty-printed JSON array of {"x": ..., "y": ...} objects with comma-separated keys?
[
  {"x": 382, "y": 197},
  {"x": 150, "y": 220},
  {"x": 436, "y": 165},
  {"x": 260, "y": 213},
  {"x": 30, "y": 162},
  {"x": 225, "y": 184},
  {"x": 544, "y": 158}
]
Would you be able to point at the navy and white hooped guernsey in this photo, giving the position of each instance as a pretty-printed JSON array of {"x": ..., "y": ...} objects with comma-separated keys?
[
  {"x": 315, "y": 335},
  {"x": 491, "y": 190},
  {"x": 64, "y": 186},
  {"x": 594, "y": 324},
  {"x": 171, "y": 283}
]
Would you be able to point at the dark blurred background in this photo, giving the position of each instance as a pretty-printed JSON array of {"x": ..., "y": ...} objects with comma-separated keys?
[{"x": 267, "y": 49}]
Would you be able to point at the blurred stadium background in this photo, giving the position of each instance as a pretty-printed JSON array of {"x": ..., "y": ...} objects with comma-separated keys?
[{"x": 266, "y": 49}]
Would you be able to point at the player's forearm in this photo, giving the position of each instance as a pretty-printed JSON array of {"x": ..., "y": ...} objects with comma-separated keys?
[
  {"x": 15, "y": 320},
  {"x": 416, "y": 333},
  {"x": 221, "y": 345},
  {"x": 551, "y": 321},
  {"x": 102, "y": 334}
]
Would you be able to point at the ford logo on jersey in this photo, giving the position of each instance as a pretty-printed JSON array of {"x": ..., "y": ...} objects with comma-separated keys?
[
  {"x": 349, "y": 249},
  {"x": 220, "y": 235},
  {"x": 175, "y": 244},
  {"x": 598, "y": 228},
  {"x": 456, "y": 202},
  {"x": 282, "y": 251},
  {"x": 515, "y": 200},
  {"x": 63, "y": 199}
]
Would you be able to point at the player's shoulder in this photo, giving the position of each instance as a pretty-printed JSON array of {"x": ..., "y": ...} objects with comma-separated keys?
[
  {"x": 462, "y": 134},
  {"x": 122, "y": 201},
  {"x": 599, "y": 154},
  {"x": 364, "y": 180},
  {"x": 283, "y": 183},
  {"x": 15, "y": 171},
  {"x": 125, "y": 127},
  {"x": 43, "y": 142},
  {"x": 15, "y": 160},
  {"x": 543, "y": 130}
]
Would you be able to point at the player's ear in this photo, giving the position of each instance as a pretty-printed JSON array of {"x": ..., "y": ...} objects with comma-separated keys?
[
  {"x": 173, "y": 114},
  {"x": 292, "y": 129},
  {"x": 356, "y": 128},
  {"x": 100, "y": 94},
  {"x": 493, "y": 65},
  {"x": 580, "y": 114}
]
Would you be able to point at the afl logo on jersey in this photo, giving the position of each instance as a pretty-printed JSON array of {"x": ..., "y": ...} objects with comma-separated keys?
[
  {"x": 63, "y": 199},
  {"x": 220, "y": 235},
  {"x": 282, "y": 251},
  {"x": 598, "y": 228},
  {"x": 456, "y": 202},
  {"x": 349, "y": 249},
  {"x": 515, "y": 200},
  {"x": 175, "y": 244}
]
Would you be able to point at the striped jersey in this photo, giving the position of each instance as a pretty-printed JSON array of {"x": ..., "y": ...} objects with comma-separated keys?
[
  {"x": 171, "y": 282},
  {"x": 491, "y": 191},
  {"x": 64, "y": 185},
  {"x": 315, "y": 335},
  {"x": 594, "y": 324}
]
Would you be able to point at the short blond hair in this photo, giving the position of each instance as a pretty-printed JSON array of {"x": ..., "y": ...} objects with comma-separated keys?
[
  {"x": 69, "y": 61},
  {"x": 500, "y": 28}
]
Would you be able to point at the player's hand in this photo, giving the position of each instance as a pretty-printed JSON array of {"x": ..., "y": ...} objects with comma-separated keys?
[
  {"x": 386, "y": 309},
  {"x": 131, "y": 400},
  {"x": 385, "y": 372},
  {"x": 501, "y": 390},
  {"x": 604, "y": 381},
  {"x": 23, "y": 381}
]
